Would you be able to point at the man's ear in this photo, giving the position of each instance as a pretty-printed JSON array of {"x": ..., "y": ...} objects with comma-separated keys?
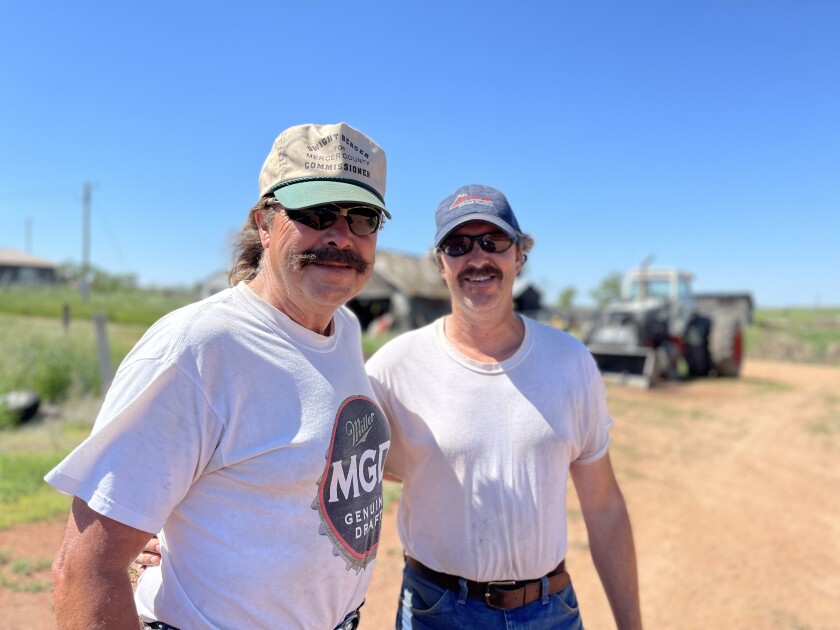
[
  {"x": 520, "y": 259},
  {"x": 262, "y": 228}
]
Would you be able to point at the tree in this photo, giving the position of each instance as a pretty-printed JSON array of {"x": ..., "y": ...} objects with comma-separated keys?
[
  {"x": 100, "y": 280},
  {"x": 566, "y": 297},
  {"x": 608, "y": 291}
]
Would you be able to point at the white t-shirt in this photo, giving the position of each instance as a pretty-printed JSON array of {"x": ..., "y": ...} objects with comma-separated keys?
[
  {"x": 484, "y": 449},
  {"x": 256, "y": 448}
]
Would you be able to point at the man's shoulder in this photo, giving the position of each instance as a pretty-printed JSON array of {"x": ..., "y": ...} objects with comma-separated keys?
[
  {"x": 401, "y": 347},
  {"x": 345, "y": 316},
  {"x": 544, "y": 333},
  {"x": 190, "y": 325},
  {"x": 560, "y": 350}
]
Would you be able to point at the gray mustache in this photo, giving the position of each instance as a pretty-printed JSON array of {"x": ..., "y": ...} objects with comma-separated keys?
[{"x": 347, "y": 257}]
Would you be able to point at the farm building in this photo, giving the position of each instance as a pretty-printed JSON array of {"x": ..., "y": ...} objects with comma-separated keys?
[
  {"x": 527, "y": 299},
  {"x": 20, "y": 268},
  {"x": 405, "y": 289}
]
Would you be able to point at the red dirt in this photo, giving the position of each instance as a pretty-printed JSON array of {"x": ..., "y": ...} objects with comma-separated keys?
[{"x": 733, "y": 488}]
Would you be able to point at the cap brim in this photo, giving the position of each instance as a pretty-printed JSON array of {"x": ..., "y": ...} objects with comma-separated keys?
[
  {"x": 503, "y": 225},
  {"x": 312, "y": 193}
]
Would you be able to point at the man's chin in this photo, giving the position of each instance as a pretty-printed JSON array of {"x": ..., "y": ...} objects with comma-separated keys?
[{"x": 343, "y": 283}]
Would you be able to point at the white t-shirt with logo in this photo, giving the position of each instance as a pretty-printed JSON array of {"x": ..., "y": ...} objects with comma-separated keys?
[
  {"x": 484, "y": 449},
  {"x": 256, "y": 449}
]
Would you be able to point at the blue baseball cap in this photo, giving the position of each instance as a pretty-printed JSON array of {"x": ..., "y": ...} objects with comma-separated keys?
[{"x": 474, "y": 202}]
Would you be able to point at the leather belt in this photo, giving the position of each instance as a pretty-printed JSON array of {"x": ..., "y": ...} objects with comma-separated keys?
[{"x": 502, "y": 595}]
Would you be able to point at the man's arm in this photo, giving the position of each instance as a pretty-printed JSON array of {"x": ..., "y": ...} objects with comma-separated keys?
[
  {"x": 610, "y": 538},
  {"x": 91, "y": 586}
]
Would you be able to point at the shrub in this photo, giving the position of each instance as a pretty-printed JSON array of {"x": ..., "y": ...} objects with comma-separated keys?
[{"x": 43, "y": 357}]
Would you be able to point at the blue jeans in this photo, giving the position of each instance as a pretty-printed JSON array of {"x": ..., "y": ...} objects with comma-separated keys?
[{"x": 425, "y": 605}]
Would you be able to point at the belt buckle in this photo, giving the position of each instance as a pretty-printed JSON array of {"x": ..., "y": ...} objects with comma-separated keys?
[{"x": 491, "y": 585}]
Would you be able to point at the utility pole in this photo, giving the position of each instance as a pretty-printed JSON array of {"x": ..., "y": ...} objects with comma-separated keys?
[
  {"x": 86, "y": 194},
  {"x": 27, "y": 238}
]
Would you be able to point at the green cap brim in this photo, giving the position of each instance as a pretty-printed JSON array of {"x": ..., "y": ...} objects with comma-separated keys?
[{"x": 311, "y": 193}]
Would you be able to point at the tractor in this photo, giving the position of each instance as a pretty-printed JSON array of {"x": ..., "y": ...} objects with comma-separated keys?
[{"x": 660, "y": 329}]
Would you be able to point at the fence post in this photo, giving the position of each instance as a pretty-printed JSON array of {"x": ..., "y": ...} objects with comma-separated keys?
[{"x": 106, "y": 373}]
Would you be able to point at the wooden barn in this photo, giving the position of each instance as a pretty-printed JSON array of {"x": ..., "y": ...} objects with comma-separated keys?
[
  {"x": 405, "y": 292},
  {"x": 20, "y": 268}
]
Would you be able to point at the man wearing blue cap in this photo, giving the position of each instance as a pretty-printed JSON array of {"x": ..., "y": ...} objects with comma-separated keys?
[
  {"x": 489, "y": 413},
  {"x": 245, "y": 417}
]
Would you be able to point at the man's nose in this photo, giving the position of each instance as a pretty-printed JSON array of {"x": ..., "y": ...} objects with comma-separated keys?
[
  {"x": 477, "y": 252},
  {"x": 339, "y": 234}
]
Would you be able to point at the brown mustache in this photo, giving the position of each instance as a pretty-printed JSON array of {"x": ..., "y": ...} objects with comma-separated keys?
[
  {"x": 348, "y": 257},
  {"x": 479, "y": 271}
]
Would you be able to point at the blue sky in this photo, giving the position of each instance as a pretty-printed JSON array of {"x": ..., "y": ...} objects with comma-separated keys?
[{"x": 704, "y": 133}]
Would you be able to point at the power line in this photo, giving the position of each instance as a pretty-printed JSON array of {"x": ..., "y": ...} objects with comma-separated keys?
[{"x": 36, "y": 194}]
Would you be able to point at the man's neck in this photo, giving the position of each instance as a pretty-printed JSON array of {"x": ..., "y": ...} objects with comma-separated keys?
[
  {"x": 315, "y": 319},
  {"x": 486, "y": 338}
]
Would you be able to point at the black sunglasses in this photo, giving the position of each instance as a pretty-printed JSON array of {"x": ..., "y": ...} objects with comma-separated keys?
[
  {"x": 460, "y": 244},
  {"x": 362, "y": 220}
]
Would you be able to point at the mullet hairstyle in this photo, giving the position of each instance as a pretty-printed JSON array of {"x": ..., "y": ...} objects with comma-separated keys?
[{"x": 248, "y": 249}]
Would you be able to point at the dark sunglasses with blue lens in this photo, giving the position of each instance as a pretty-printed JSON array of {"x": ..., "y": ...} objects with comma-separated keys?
[
  {"x": 461, "y": 244},
  {"x": 362, "y": 220}
]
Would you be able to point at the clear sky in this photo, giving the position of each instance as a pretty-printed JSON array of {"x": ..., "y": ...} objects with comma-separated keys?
[{"x": 703, "y": 133}]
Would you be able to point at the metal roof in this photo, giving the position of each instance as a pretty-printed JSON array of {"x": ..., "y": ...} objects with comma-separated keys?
[
  {"x": 14, "y": 258},
  {"x": 413, "y": 275}
]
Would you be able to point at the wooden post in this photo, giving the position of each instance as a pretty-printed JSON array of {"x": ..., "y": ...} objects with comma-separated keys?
[{"x": 106, "y": 373}]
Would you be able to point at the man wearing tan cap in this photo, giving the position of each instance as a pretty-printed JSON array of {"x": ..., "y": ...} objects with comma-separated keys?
[{"x": 255, "y": 419}]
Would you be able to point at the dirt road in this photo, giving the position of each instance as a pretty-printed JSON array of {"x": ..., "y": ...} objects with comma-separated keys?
[{"x": 733, "y": 488}]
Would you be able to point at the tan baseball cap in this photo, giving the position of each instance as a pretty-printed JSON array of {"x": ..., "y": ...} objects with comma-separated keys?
[{"x": 314, "y": 164}]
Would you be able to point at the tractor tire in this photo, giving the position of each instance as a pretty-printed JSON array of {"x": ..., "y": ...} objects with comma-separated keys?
[
  {"x": 697, "y": 355},
  {"x": 726, "y": 346}
]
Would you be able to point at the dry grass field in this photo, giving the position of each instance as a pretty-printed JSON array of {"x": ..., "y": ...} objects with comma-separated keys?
[{"x": 733, "y": 487}]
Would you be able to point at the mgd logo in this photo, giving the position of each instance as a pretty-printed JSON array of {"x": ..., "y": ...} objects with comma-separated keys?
[{"x": 349, "y": 498}]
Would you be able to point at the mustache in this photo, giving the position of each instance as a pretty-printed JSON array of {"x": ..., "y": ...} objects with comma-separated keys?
[
  {"x": 348, "y": 257},
  {"x": 486, "y": 268}
]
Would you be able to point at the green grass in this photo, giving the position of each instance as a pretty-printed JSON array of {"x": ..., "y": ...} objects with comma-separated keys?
[
  {"x": 39, "y": 355},
  {"x": 24, "y": 496},
  {"x": 372, "y": 344},
  {"x": 27, "y": 566},
  {"x": 795, "y": 334},
  {"x": 56, "y": 363},
  {"x": 58, "y": 359},
  {"x": 803, "y": 317},
  {"x": 127, "y": 307},
  {"x": 26, "y": 455},
  {"x": 17, "y": 574}
]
